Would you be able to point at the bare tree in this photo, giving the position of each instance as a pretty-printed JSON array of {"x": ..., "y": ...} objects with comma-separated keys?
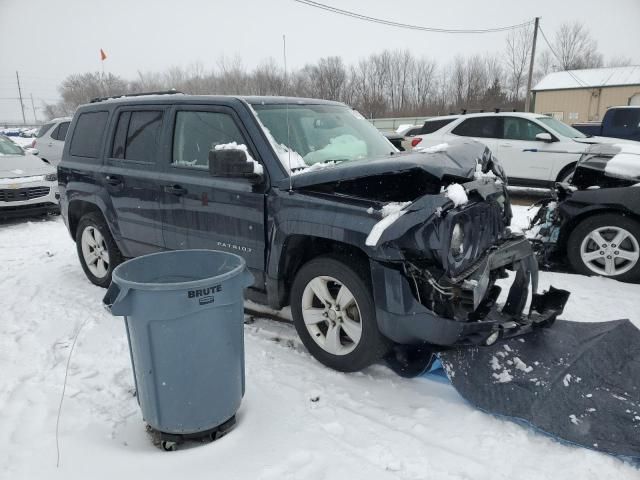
[
  {"x": 619, "y": 61},
  {"x": 576, "y": 48},
  {"x": 517, "y": 55}
]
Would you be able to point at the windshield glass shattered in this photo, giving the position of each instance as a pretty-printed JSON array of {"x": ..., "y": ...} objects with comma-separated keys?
[{"x": 322, "y": 134}]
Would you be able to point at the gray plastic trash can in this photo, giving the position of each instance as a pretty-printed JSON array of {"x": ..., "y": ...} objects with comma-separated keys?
[{"x": 184, "y": 317}]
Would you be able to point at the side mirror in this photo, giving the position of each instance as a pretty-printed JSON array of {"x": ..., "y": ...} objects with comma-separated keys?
[
  {"x": 232, "y": 162},
  {"x": 33, "y": 151},
  {"x": 544, "y": 137}
]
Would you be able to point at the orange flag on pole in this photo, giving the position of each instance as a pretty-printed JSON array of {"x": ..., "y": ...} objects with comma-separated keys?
[{"x": 103, "y": 56}]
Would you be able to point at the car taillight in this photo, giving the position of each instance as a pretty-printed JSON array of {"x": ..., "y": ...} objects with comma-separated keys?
[
  {"x": 415, "y": 141},
  {"x": 33, "y": 144}
]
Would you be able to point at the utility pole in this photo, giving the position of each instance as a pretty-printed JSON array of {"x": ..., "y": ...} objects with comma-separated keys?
[
  {"x": 35, "y": 118},
  {"x": 24, "y": 120},
  {"x": 527, "y": 101}
]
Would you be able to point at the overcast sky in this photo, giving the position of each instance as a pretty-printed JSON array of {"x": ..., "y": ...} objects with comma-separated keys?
[{"x": 47, "y": 40}]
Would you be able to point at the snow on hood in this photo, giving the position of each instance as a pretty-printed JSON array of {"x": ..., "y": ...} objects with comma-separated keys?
[
  {"x": 605, "y": 140},
  {"x": 27, "y": 165},
  {"x": 626, "y": 163},
  {"x": 458, "y": 161},
  {"x": 457, "y": 194}
]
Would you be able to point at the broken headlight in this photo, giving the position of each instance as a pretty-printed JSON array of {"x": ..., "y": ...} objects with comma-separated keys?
[{"x": 456, "y": 245}]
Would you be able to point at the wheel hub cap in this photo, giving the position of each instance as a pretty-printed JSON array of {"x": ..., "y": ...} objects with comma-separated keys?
[
  {"x": 331, "y": 315},
  {"x": 610, "y": 251}
]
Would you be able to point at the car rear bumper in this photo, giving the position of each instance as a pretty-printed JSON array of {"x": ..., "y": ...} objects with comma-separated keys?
[{"x": 403, "y": 319}]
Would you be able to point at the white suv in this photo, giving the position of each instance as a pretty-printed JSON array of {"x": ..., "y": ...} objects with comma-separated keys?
[
  {"x": 50, "y": 140},
  {"x": 534, "y": 149}
]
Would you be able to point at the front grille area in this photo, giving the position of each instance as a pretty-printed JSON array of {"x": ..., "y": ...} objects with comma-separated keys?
[{"x": 22, "y": 194}]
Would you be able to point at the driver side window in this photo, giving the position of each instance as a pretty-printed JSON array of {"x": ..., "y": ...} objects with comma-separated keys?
[
  {"x": 515, "y": 128},
  {"x": 196, "y": 133}
]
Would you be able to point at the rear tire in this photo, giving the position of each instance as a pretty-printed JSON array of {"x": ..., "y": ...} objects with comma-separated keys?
[
  {"x": 337, "y": 326},
  {"x": 97, "y": 251},
  {"x": 607, "y": 257}
]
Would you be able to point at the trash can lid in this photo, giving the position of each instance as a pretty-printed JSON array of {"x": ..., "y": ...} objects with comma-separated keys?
[{"x": 178, "y": 269}]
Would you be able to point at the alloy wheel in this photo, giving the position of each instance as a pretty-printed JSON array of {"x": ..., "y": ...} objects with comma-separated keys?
[
  {"x": 610, "y": 251},
  {"x": 331, "y": 315},
  {"x": 95, "y": 252}
]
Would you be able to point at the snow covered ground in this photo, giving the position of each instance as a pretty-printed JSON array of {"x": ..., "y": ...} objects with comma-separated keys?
[{"x": 298, "y": 419}]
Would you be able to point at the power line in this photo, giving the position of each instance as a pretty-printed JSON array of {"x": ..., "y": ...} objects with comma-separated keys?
[
  {"x": 390, "y": 23},
  {"x": 571, "y": 74}
]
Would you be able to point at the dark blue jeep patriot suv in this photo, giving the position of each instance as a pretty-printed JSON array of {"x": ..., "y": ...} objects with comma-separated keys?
[{"x": 375, "y": 250}]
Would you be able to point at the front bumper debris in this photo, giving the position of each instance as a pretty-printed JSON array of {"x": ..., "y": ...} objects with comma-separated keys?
[{"x": 403, "y": 319}]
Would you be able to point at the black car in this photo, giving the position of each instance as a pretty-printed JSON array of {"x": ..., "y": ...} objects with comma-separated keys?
[
  {"x": 594, "y": 222},
  {"x": 369, "y": 246}
]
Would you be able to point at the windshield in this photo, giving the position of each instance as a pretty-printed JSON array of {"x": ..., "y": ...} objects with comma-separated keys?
[
  {"x": 322, "y": 133},
  {"x": 561, "y": 128},
  {"x": 7, "y": 147}
]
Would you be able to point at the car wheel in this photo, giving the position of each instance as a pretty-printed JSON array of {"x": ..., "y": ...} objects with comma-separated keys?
[
  {"x": 566, "y": 175},
  {"x": 607, "y": 245},
  {"x": 334, "y": 314},
  {"x": 97, "y": 250}
]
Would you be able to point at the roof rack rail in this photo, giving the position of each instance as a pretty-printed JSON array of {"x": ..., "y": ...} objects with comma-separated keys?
[{"x": 161, "y": 92}]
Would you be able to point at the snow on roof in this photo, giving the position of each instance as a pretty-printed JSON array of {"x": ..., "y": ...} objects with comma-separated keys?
[{"x": 590, "y": 78}]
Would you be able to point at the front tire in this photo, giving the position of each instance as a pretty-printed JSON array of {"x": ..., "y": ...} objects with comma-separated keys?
[
  {"x": 606, "y": 245},
  {"x": 97, "y": 251},
  {"x": 334, "y": 314}
]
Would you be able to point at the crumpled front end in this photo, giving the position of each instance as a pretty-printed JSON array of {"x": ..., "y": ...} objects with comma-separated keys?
[{"x": 446, "y": 290}]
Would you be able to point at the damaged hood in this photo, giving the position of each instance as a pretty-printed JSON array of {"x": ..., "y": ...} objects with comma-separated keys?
[
  {"x": 456, "y": 161},
  {"x": 605, "y": 141},
  {"x": 620, "y": 160}
]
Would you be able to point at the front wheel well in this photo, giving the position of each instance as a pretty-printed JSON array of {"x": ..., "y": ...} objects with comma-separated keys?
[
  {"x": 300, "y": 249},
  {"x": 565, "y": 170}
]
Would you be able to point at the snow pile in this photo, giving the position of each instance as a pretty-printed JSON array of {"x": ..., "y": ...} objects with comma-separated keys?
[
  {"x": 390, "y": 213},
  {"x": 625, "y": 164},
  {"x": 479, "y": 174},
  {"x": 441, "y": 147},
  {"x": 520, "y": 365},
  {"x": 257, "y": 168},
  {"x": 457, "y": 194}
]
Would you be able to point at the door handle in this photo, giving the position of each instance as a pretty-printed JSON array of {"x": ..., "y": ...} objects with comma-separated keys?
[
  {"x": 506, "y": 144},
  {"x": 175, "y": 190},
  {"x": 50, "y": 144},
  {"x": 113, "y": 180}
]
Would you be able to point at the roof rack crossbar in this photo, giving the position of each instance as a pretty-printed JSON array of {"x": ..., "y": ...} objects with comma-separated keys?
[{"x": 161, "y": 92}]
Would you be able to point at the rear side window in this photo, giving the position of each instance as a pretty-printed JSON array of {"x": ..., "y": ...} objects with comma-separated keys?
[
  {"x": 137, "y": 136},
  {"x": 198, "y": 132},
  {"x": 87, "y": 135},
  {"x": 44, "y": 129},
  {"x": 483, "y": 127},
  {"x": 431, "y": 126},
  {"x": 60, "y": 131},
  {"x": 629, "y": 118}
]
